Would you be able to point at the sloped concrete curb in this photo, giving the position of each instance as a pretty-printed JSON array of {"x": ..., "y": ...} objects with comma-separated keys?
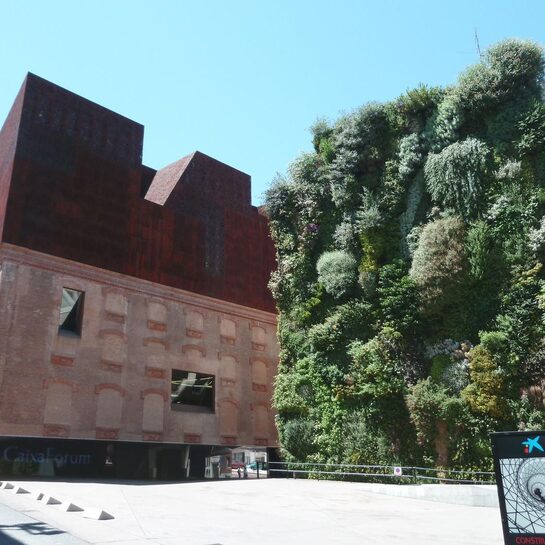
[
  {"x": 70, "y": 507},
  {"x": 460, "y": 494},
  {"x": 50, "y": 500},
  {"x": 63, "y": 505},
  {"x": 97, "y": 514},
  {"x": 21, "y": 490}
]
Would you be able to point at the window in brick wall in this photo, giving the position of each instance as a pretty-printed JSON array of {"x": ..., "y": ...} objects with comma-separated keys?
[
  {"x": 71, "y": 313},
  {"x": 191, "y": 390}
]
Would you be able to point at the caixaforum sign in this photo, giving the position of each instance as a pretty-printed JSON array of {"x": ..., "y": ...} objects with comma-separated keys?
[
  {"x": 13, "y": 453},
  {"x": 47, "y": 457},
  {"x": 519, "y": 461}
]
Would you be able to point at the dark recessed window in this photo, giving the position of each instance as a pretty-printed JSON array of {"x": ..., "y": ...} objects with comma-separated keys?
[
  {"x": 71, "y": 314},
  {"x": 190, "y": 390}
]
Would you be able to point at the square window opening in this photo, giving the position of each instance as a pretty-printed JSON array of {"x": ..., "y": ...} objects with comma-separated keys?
[
  {"x": 71, "y": 312},
  {"x": 192, "y": 391}
]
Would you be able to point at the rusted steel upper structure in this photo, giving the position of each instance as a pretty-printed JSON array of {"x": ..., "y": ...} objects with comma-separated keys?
[{"x": 72, "y": 185}]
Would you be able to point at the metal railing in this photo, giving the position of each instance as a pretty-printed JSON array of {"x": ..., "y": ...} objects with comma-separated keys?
[{"x": 379, "y": 473}]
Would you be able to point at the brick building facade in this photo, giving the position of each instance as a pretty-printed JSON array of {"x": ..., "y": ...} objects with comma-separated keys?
[{"x": 137, "y": 332}]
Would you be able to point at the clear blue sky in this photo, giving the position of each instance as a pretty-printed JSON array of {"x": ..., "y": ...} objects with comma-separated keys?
[{"x": 243, "y": 80}]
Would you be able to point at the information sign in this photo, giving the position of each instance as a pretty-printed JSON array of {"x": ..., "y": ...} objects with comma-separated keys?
[{"x": 519, "y": 461}]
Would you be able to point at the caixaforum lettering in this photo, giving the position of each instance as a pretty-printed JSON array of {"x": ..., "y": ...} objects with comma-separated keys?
[
  {"x": 14, "y": 454},
  {"x": 526, "y": 540}
]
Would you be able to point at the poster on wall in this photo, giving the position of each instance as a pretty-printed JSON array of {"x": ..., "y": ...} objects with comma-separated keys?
[{"x": 519, "y": 462}]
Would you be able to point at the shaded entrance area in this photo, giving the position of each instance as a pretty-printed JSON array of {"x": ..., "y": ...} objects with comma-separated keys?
[{"x": 26, "y": 457}]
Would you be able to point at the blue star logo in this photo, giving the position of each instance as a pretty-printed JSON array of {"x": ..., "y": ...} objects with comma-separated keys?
[{"x": 530, "y": 444}]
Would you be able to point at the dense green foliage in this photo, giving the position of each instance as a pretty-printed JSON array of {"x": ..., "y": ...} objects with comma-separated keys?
[
  {"x": 410, "y": 283},
  {"x": 337, "y": 272}
]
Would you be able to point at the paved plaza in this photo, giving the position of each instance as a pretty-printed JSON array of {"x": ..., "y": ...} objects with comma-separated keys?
[{"x": 273, "y": 511}]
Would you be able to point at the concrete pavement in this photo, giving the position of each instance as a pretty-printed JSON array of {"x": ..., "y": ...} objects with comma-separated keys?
[{"x": 264, "y": 512}]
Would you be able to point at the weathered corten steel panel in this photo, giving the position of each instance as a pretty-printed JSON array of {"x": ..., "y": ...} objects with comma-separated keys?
[
  {"x": 8, "y": 142},
  {"x": 71, "y": 174}
]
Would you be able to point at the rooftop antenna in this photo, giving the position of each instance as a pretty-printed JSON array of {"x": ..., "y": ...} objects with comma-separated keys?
[{"x": 477, "y": 43}]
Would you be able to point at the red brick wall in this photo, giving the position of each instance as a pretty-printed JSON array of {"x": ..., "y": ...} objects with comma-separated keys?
[{"x": 75, "y": 192}]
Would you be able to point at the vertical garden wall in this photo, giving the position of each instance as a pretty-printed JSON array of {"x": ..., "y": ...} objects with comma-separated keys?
[{"x": 410, "y": 281}]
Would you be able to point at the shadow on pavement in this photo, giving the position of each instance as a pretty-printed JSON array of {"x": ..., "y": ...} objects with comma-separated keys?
[
  {"x": 7, "y": 540},
  {"x": 32, "y": 528}
]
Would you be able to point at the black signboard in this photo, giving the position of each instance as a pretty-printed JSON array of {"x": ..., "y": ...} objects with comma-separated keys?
[{"x": 519, "y": 461}]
